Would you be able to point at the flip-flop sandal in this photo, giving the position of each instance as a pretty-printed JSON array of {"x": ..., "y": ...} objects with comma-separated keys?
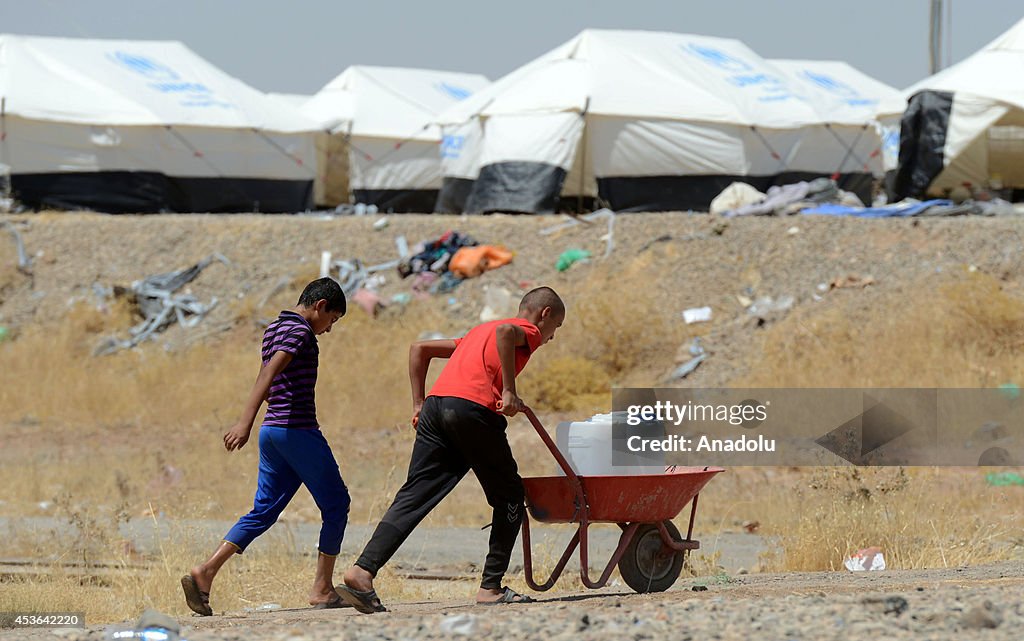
[
  {"x": 366, "y": 602},
  {"x": 197, "y": 600},
  {"x": 333, "y": 603},
  {"x": 509, "y": 597}
]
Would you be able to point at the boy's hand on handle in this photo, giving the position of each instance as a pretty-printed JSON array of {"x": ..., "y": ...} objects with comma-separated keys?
[
  {"x": 237, "y": 437},
  {"x": 510, "y": 403},
  {"x": 416, "y": 407}
]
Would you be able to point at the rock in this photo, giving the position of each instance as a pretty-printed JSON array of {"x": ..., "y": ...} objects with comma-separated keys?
[
  {"x": 459, "y": 624},
  {"x": 981, "y": 616},
  {"x": 895, "y": 605}
]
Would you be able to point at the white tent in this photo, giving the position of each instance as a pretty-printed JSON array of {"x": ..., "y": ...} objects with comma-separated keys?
[
  {"x": 132, "y": 126},
  {"x": 643, "y": 121},
  {"x": 382, "y": 146},
  {"x": 840, "y": 87},
  {"x": 293, "y": 100},
  {"x": 965, "y": 124}
]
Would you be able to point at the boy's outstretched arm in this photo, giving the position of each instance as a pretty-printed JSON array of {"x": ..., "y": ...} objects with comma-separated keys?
[
  {"x": 420, "y": 355},
  {"x": 509, "y": 337},
  {"x": 238, "y": 435}
]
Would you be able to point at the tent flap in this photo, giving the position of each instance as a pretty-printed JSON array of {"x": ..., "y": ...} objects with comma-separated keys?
[{"x": 922, "y": 143}]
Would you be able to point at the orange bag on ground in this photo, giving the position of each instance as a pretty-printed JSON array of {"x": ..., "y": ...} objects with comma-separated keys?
[{"x": 469, "y": 262}]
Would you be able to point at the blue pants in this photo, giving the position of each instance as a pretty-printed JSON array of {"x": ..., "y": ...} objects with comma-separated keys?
[{"x": 289, "y": 458}]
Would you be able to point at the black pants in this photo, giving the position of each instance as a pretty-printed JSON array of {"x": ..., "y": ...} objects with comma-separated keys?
[{"x": 454, "y": 436}]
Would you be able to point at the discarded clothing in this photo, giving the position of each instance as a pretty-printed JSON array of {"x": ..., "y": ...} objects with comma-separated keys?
[
  {"x": 470, "y": 262},
  {"x": 780, "y": 198},
  {"x": 434, "y": 255}
]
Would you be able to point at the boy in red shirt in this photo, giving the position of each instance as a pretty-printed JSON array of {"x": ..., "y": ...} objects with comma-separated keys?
[{"x": 459, "y": 427}]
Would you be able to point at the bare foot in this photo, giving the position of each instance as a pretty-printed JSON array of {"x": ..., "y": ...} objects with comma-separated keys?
[
  {"x": 508, "y": 595},
  {"x": 358, "y": 579},
  {"x": 316, "y": 597},
  {"x": 203, "y": 577}
]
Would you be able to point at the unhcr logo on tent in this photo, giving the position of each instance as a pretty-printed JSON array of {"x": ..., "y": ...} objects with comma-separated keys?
[
  {"x": 717, "y": 57},
  {"x": 144, "y": 66},
  {"x": 849, "y": 95},
  {"x": 451, "y": 146},
  {"x": 453, "y": 91},
  {"x": 166, "y": 80},
  {"x": 741, "y": 73}
]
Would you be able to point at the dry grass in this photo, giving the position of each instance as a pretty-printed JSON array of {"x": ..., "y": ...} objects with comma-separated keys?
[
  {"x": 919, "y": 517},
  {"x": 139, "y": 432}
]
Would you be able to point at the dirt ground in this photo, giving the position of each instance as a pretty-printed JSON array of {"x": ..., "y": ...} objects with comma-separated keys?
[{"x": 980, "y": 602}]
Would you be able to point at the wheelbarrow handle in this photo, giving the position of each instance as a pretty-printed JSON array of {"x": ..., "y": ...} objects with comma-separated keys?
[{"x": 574, "y": 479}]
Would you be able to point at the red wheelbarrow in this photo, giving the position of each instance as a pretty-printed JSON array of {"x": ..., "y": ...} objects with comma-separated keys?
[{"x": 651, "y": 553}]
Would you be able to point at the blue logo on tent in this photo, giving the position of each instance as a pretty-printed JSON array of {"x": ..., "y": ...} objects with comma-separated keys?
[
  {"x": 166, "y": 80},
  {"x": 451, "y": 146},
  {"x": 849, "y": 94},
  {"x": 453, "y": 91},
  {"x": 144, "y": 65},
  {"x": 717, "y": 57}
]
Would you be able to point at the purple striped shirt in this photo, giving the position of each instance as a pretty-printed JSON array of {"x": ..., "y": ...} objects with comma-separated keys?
[{"x": 291, "y": 402}]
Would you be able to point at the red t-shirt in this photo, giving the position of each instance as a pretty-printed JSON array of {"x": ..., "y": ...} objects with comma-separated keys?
[{"x": 473, "y": 372}]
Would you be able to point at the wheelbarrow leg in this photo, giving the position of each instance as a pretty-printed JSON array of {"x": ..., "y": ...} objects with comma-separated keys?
[
  {"x": 528, "y": 558},
  {"x": 624, "y": 540}
]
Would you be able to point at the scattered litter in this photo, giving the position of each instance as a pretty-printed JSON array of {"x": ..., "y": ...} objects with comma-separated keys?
[
  {"x": 573, "y": 221},
  {"x": 697, "y": 315},
  {"x": 369, "y": 300},
  {"x": 698, "y": 356},
  {"x": 459, "y": 624},
  {"x": 266, "y": 607},
  {"x": 851, "y": 281},
  {"x": 751, "y": 527},
  {"x": 325, "y": 264},
  {"x": 866, "y": 560},
  {"x": 743, "y": 300},
  {"x": 434, "y": 255},
  {"x": 987, "y": 434},
  {"x": 401, "y": 298},
  {"x": 151, "y": 626},
  {"x": 446, "y": 283},
  {"x": 1010, "y": 390},
  {"x": 44, "y": 505},
  {"x": 431, "y": 336},
  {"x": 160, "y": 306},
  {"x": 380, "y": 224},
  {"x": 24, "y": 261},
  {"x": 793, "y": 231},
  {"x": 470, "y": 262},
  {"x": 823, "y": 287},
  {"x": 699, "y": 588},
  {"x": 1004, "y": 479},
  {"x": 4, "y": 333},
  {"x": 782, "y": 200},
  {"x": 570, "y": 257},
  {"x": 498, "y": 304},
  {"x": 766, "y": 306}
]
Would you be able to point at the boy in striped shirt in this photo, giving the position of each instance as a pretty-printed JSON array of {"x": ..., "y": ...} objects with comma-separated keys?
[{"x": 293, "y": 451}]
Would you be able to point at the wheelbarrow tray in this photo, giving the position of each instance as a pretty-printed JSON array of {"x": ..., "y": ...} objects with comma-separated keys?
[{"x": 647, "y": 498}]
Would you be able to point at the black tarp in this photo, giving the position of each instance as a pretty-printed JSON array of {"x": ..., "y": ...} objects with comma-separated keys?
[
  {"x": 126, "y": 192},
  {"x": 398, "y": 201},
  {"x": 520, "y": 187},
  {"x": 922, "y": 141}
]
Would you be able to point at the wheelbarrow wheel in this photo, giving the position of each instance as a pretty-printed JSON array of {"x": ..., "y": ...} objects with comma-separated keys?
[{"x": 647, "y": 564}]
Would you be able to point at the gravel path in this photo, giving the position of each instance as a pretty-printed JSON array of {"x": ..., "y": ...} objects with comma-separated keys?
[{"x": 980, "y": 602}]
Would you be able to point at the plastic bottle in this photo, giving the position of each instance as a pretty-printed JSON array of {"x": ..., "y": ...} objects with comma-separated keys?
[{"x": 588, "y": 447}]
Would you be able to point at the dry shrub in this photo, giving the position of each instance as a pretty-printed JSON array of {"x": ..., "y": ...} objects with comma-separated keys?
[
  {"x": 960, "y": 331},
  {"x": 920, "y": 518}
]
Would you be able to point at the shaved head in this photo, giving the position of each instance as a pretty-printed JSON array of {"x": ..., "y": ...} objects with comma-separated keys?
[{"x": 541, "y": 297}]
